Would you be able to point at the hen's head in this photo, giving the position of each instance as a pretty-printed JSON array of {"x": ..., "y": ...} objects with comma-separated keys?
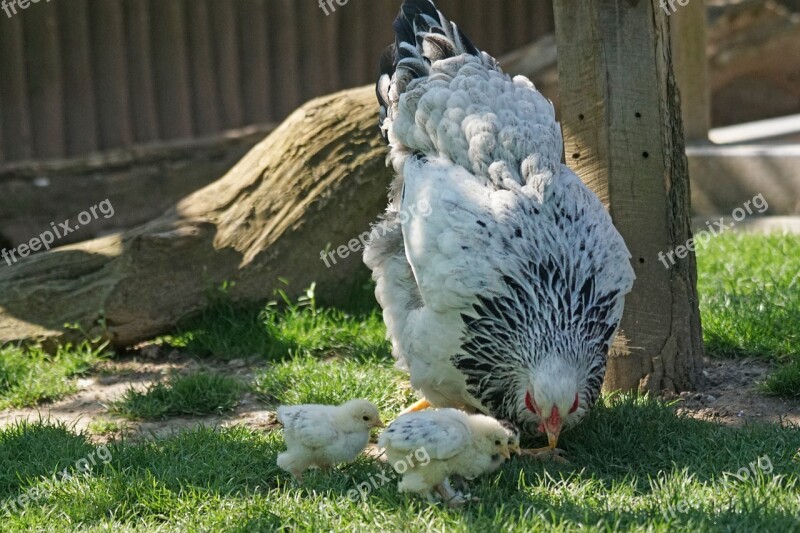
[
  {"x": 553, "y": 396},
  {"x": 359, "y": 415}
]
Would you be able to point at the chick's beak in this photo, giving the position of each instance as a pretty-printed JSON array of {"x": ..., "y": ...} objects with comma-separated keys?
[
  {"x": 378, "y": 424},
  {"x": 505, "y": 453},
  {"x": 514, "y": 448}
]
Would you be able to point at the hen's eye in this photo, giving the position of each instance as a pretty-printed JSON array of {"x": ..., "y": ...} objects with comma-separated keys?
[
  {"x": 574, "y": 405},
  {"x": 365, "y": 418}
]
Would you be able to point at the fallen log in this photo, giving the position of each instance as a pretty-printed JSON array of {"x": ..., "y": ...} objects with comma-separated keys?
[{"x": 317, "y": 180}]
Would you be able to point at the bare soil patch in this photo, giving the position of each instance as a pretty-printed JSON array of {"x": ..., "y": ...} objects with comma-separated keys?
[{"x": 731, "y": 396}]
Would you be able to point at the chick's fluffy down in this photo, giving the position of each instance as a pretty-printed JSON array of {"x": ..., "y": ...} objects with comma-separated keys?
[
  {"x": 320, "y": 436},
  {"x": 428, "y": 447}
]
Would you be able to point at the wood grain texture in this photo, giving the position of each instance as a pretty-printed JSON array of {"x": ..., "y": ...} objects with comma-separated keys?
[
  {"x": 254, "y": 51},
  {"x": 203, "y": 87},
  {"x": 171, "y": 68},
  {"x": 79, "y": 99},
  {"x": 45, "y": 81},
  {"x": 227, "y": 65},
  {"x": 141, "y": 80},
  {"x": 14, "y": 104},
  {"x": 110, "y": 67},
  {"x": 620, "y": 115}
]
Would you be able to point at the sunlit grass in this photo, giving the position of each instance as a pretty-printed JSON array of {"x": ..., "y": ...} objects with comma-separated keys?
[{"x": 749, "y": 287}]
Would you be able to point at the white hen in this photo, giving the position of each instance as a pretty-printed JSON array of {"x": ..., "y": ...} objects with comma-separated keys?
[
  {"x": 504, "y": 293},
  {"x": 325, "y": 435},
  {"x": 456, "y": 444}
]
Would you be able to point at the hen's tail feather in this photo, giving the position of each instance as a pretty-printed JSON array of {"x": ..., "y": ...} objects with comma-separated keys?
[{"x": 422, "y": 36}]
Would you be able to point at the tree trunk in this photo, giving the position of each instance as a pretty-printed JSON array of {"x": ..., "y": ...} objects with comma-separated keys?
[
  {"x": 620, "y": 112},
  {"x": 319, "y": 178}
]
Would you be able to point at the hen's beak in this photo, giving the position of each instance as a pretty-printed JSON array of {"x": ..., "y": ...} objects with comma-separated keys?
[{"x": 552, "y": 439}]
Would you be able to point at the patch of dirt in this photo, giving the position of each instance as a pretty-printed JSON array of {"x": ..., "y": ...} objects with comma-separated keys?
[
  {"x": 110, "y": 380},
  {"x": 731, "y": 395},
  {"x": 730, "y": 398}
]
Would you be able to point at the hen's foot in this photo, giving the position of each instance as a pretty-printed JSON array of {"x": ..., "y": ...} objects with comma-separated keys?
[
  {"x": 547, "y": 453},
  {"x": 416, "y": 406}
]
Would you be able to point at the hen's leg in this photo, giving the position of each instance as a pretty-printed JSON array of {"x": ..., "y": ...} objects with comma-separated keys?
[{"x": 416, "y": 406}]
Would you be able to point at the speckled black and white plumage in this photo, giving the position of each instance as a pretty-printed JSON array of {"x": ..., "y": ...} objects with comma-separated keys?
[
  {"x": 513, "y": 277},
  {"x": 428, "y": 447}
]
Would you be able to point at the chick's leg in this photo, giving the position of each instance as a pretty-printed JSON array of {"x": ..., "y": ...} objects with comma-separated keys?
[
  {"x": 293, "y": 464},
  {"x": 449, "y": 496},
  {"x": 416, "y": 406}
]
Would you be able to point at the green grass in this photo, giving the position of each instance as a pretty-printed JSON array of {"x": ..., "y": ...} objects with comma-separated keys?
[
  {"x": 309, "y": 380},
  {"x": 103, "y": 426},
  {"x": 749, "y": 287},
  {"x": 280, "y": 329},
  {"x": 634, "y": 464},
  {"x": 196, "y": 394},
  {"x": 29, "y": 375}
]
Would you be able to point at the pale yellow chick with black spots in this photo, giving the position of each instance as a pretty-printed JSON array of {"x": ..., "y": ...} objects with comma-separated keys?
[
  {"x": 321, "y": 436},
  {"x": 457, "y": 444}
]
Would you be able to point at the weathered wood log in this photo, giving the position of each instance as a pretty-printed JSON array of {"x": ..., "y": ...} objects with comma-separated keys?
[{"x": 318, "y": 179}]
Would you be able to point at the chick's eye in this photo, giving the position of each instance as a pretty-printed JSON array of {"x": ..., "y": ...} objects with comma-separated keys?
[
  {"x": 365, "y": 418},
  {"x": 497, "y": 443}
]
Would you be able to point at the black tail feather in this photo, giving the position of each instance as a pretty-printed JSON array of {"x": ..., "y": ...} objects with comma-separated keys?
[{"x": 422, "y": 36}]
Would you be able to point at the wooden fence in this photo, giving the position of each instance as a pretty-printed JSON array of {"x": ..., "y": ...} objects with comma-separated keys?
[{"x": 77, "y": 76}]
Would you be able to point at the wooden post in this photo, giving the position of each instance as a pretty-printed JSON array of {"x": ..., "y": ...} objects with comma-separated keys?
[
  {"x": 204, "y": 88},
  {"x": 110, "y": 68},
  {"x": 225, "y": 29},
  {"x": 14, "y": 88},
  {"x": 79, "y": 98},
  {"x": 45, "y": 81},
  {"x": 140, "y": 66},
  {"x": 285, "y": 29},
  {"x": 623, "y": 136},
  {"x": 688, "y": 42},
  {"x": 171, "y": 69},
  {"x": 254, "y": 49}
]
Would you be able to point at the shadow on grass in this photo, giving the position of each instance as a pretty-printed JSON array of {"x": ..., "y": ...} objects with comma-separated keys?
[
  {"x": 619, "y": 452},
  {"x": 281, "y": 328}
]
